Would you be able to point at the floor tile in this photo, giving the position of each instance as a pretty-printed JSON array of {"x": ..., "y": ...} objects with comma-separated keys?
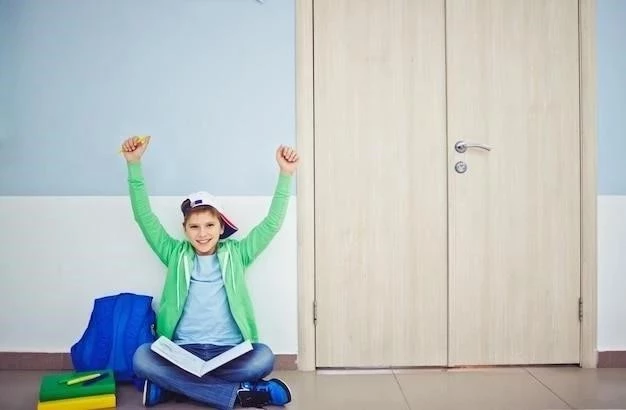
[
  {"x": 586, "y": 388},
  {"x": 313, "y": 391},
  {"x": 19, "y": 389},
  {"x": 484, "y": 389}
]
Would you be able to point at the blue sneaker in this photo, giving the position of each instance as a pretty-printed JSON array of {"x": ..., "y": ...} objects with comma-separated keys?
[
  {"x": 152, "y": 394},
  {"x": 264, "y": 393}
]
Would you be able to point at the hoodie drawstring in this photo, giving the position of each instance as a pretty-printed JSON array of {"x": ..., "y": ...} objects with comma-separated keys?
[{"x": 180, "y": 256}]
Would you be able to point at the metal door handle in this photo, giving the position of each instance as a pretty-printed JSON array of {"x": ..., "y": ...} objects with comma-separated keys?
[{"x": 462, "y": 146}]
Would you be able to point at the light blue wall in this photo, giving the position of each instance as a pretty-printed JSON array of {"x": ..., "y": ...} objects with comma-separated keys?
[
  {"x": 211, "y": 80},
  {"x": 5, "y": 77},
  {"x": 611, "y": 69}
]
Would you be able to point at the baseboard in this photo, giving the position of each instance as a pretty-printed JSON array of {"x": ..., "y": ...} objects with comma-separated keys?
[
  {"x": 286, "y": 362},
  {"x": 615, "y": 358},
  {"x": 63, "y": 361},
  {"x": 35, "y": 361}
]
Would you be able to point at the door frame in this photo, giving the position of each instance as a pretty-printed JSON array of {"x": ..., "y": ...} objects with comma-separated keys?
[{"x": 306, "y": 183}]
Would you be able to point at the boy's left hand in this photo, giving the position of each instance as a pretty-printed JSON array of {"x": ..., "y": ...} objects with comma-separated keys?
[{"x": 287, "y": 159}]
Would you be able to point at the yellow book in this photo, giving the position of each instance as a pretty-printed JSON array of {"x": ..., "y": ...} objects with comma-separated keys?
[{"x": 102, "y": 401}]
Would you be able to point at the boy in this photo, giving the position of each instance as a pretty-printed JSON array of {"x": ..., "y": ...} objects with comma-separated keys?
[{"x": 205, "y": 306}]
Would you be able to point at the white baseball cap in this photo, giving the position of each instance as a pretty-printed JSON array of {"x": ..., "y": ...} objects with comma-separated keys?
[{"x": 202, "y": 198}]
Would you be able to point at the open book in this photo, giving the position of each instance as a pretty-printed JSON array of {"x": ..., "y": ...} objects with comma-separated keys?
[{"x": 193, "y": 364}]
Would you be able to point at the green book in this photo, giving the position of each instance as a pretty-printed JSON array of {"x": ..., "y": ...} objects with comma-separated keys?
[{"x": 55, "y": 387}]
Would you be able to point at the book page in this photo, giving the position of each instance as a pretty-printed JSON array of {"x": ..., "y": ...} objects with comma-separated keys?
[
  {"x": 179, "y": 356},
  {"x": 227, "y": 356},
  {"x": 193, "y": 364}
]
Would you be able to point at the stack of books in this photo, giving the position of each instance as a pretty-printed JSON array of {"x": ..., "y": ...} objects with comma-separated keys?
[{"x": 77, "y": 390}]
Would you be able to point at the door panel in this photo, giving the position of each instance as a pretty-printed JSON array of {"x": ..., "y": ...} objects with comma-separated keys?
[
  {"x": 380, "y": 183},
  {"x": 514, "y": 215}
]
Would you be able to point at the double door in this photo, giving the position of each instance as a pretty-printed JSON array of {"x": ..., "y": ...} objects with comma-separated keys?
[{"x": 447, "y": 182}]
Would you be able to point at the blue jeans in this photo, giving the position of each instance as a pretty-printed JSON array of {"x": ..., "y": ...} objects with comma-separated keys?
[{"x": 217, "y": 388}]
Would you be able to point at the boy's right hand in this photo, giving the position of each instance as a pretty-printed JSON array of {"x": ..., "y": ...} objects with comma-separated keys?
[{"x": 134, "y": 147}]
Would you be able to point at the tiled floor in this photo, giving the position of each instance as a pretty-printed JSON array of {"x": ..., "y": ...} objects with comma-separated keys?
[{"x": 484, "y": 389}]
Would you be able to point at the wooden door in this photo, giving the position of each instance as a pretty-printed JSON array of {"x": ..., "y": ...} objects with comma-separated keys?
[
  {"x": 513, "y": 84},
  {"x": 380, "y": 183}
]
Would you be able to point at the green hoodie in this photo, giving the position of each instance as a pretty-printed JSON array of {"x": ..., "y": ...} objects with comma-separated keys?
[{"x": 234, "y": 256}]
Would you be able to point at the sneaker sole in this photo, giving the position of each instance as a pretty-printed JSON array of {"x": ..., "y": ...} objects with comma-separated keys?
[{"x": 286, "y": 388}]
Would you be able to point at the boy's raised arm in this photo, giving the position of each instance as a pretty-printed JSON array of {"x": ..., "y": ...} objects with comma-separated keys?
[
  {"x": 157, "y": 237},
  {"x": 261, "y": 235}
]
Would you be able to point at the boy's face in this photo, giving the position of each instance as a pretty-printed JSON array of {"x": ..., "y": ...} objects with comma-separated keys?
[{"x": 203, "y": 229}]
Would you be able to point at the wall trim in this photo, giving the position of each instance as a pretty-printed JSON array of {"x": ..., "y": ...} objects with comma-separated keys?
[
  {"x": 588, "y": 182},
  {"x": 305, "y": 142},
  {"x": 306, "y": 183},
  {"x": 63, "y": 361}
]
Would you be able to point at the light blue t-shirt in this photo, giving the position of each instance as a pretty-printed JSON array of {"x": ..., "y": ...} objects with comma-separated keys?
[{"x": 206, "y": 317}]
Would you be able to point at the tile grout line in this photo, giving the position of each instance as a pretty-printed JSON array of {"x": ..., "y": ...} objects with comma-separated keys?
[
  {"x": 549, "y": 389},
  {"x": 406, "y": 400}
]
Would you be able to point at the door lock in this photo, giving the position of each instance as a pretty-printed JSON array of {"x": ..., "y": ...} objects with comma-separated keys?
[{"x": 460, "y": 167}]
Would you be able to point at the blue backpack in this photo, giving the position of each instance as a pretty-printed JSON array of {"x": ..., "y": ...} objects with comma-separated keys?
[{"x": 118, "y": 325}]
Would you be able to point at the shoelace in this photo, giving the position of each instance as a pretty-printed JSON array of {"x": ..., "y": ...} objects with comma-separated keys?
[{"x": 258, "y": 387}]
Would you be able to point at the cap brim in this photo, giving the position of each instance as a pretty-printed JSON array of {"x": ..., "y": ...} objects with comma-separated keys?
[{"x": 229, "y": 228}]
